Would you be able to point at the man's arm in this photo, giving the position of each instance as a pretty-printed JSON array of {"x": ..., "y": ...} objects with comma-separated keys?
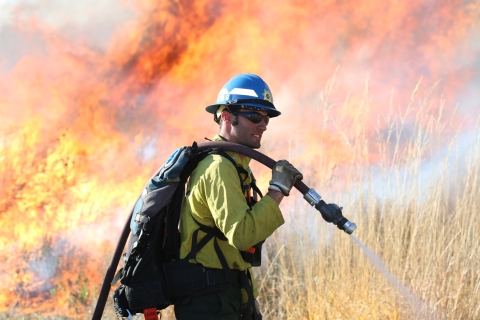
[
  {"x": 244, "y": 227},
  {"x": 276, "y": 195}
]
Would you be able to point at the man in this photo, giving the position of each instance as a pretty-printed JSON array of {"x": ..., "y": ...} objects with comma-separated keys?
[{"x": 220, "y": 201}]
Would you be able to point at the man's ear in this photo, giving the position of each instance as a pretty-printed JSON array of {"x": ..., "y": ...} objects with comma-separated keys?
[{"x": 226, "y": 116}]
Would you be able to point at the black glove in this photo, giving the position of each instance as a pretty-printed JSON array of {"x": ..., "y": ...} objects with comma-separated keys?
[
  {"x": 330, "y": 212},
  {"x": 284, "y": 176}
]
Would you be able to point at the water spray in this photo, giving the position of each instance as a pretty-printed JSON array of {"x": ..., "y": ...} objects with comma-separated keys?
[{"x": 419, "y": 307}]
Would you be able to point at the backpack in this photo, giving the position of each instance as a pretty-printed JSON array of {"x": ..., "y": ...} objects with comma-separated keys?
[{"x": 153, "y": 276}]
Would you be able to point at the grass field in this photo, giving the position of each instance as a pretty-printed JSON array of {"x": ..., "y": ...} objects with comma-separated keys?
[{"x": 417, "y": 209}]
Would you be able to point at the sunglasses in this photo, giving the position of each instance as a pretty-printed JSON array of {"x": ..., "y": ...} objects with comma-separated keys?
[{"x": 253, "y": 116}]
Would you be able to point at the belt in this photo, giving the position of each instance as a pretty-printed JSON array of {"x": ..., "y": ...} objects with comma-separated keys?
[{"x": 217, "y": 276}]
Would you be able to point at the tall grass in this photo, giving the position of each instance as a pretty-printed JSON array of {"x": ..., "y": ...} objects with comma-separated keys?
[{"x": 417, "y": 209}]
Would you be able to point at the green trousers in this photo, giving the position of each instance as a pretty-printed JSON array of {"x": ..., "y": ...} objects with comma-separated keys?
[{"x": 225, "y": 305}]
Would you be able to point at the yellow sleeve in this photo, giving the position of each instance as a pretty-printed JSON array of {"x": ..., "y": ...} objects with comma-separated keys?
[{"x": 243, "y": 227}]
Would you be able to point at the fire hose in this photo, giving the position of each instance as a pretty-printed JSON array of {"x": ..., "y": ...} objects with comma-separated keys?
[{"x": 330, "y": 213}]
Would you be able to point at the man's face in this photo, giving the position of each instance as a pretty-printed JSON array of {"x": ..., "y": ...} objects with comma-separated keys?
[{"x": 246, "y": 132}]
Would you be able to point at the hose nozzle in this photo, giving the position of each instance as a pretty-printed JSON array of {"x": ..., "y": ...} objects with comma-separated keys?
[
  {"x": 348, "y": 227},
  {"x": 330, "y": 212}
]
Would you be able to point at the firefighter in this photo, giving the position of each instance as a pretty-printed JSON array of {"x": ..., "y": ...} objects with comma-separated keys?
[{"x": 221, "y": 200}]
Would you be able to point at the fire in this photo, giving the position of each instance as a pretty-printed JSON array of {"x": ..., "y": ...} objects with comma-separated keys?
[{"x": 83, "y": 128}]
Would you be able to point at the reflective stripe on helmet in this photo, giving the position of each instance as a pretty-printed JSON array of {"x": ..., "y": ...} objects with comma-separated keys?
[{"x": 243, "y": 92}]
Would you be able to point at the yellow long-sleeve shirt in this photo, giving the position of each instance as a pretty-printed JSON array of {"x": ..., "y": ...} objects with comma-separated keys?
[{"x": 215, "y": 198}]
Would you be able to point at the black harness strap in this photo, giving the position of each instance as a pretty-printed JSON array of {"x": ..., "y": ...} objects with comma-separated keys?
[
  {"x": 210, "y": 233},
  {"x": 255, "y": 188}
]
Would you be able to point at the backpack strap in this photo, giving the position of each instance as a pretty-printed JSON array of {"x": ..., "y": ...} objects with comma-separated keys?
[{"x": 172, "y": 243}]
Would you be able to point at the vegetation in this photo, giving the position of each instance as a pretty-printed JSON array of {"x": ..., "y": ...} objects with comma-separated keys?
[{"x": 417, "y": 209}]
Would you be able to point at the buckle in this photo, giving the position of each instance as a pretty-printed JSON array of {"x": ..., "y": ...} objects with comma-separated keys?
[{"x": 210, "y": 277}]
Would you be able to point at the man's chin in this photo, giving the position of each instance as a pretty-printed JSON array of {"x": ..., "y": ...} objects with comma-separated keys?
[
  {"x": 252, "y": 145},
  {"x": 255, "y": 145}
]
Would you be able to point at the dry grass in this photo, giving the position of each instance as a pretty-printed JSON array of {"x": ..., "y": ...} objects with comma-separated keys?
[{"x": 420, "y": 219}]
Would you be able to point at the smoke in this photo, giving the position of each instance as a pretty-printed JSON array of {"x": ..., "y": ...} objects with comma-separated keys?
[{"x": 93, "y": 22}]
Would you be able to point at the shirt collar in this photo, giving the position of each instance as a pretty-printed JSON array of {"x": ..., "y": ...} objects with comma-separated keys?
[{"x": 241, "y": 160}]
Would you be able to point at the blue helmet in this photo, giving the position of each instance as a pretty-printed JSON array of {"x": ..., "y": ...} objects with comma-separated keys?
[{"x": 245, "y": 91}]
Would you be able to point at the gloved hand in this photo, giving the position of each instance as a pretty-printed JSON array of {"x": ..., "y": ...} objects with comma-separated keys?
[{"x": 284, "y": 176}]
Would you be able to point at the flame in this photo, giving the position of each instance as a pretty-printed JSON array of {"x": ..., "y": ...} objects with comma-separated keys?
[{"x": 83, "y": 127}]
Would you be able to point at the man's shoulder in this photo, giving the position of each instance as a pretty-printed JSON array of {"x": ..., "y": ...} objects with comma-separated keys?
[{"x": 215, "y": 162}]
